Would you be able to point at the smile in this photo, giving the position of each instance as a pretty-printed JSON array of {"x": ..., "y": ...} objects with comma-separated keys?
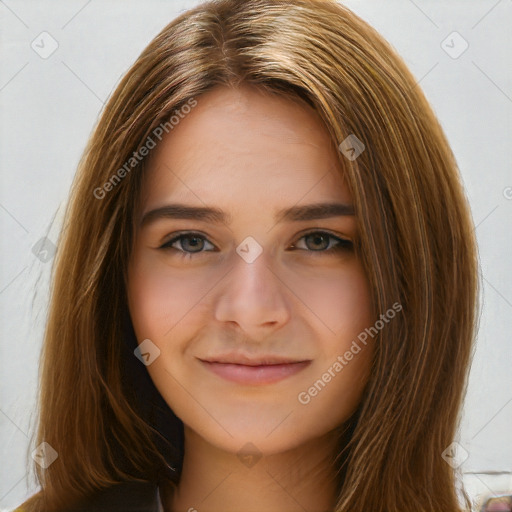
[{"x": 255, "y": 374}]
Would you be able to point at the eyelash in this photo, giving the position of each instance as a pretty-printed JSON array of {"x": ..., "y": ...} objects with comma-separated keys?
[{"x": 341, "y": 246}]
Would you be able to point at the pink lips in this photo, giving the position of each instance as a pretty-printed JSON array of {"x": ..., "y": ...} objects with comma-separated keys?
[{"x": 264, "y": 371}]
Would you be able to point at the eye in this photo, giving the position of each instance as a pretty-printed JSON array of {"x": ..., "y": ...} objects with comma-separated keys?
[
  {"x": 320, "y": 242},
  {"x": 190, "y": 243},
  {"x": 315, "y": 241}
]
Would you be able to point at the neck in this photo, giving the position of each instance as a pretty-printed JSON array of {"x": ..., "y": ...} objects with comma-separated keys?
[{"x": 213, "y": 480}]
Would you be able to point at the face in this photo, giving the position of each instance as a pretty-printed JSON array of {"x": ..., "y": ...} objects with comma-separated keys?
[{"x": 249, "y": 310}]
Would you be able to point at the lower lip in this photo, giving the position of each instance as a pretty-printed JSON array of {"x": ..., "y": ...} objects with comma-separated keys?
[{"x": 255, "y": 375}]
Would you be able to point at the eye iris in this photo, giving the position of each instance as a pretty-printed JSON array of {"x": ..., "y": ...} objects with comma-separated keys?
[
  {"x": 316, "y": 237},
  {"x": 196, "y": 242}
]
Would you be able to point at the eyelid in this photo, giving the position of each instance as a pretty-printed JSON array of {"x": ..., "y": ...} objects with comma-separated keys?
[
  {"x": 310, "y": 231},
  {"x": 179, "y": 234},
  {"x": 343, "y": 243},
  {"x": 342, "y": 239}
]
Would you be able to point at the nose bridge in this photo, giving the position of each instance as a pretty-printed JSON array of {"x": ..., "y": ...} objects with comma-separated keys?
[
  {"x": 252, "y": 269},
  {"x": 252, "y": 294}
]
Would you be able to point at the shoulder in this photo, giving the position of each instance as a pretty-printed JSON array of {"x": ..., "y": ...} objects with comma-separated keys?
[{"x": 123, "y": 497}]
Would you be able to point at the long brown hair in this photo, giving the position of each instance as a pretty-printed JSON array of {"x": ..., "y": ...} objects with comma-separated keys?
[{"x": 417, "y": 246}]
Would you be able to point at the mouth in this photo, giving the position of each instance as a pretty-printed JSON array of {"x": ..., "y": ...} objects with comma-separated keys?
[{"x": 257, "y": 371}]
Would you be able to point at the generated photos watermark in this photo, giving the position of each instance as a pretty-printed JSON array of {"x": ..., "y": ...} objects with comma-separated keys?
[
  {"x": 305, "y": 397},
  {"x": 150, "y": 143}
]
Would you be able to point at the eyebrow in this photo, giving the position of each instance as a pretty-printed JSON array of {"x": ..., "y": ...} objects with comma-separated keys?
[{"x": 215, "y": 215}]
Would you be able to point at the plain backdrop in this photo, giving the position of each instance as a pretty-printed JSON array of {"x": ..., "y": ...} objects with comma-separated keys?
[{"x": 49, "y": 106}]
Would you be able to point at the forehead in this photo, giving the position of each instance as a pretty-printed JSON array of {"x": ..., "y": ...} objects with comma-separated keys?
[{"x": 248, "y": 145}]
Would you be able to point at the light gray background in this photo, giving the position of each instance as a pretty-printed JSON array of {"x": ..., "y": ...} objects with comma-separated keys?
[{"x": 49, "y": 106}]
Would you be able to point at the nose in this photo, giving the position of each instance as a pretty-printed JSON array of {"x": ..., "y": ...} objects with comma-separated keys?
[{"x": 253, "y": 296}]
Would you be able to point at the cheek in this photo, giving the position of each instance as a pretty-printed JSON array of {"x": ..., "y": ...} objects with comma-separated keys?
[
  {"x": 340, "y": 302},
  {"x": 333, "y": 395},
  {"x": 335, "y": 387},
  {"x": 342, "y": 305},
  {"x": 159, "y": 297}
]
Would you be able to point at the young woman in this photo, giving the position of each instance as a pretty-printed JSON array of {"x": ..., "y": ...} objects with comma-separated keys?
[{"x": 265, "y": 294}]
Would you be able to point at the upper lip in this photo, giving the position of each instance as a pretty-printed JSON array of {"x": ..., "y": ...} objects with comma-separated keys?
[{"x": 254, "y": 360}]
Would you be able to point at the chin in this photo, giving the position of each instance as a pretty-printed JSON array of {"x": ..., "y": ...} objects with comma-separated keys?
[{"x": 276, "y": 431}]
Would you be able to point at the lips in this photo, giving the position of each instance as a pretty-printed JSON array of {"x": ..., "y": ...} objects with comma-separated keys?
[{"x": 254, "y": 370}]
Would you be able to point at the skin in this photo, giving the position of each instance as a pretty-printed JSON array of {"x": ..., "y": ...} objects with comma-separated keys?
[{"x": 250, "y": 154}]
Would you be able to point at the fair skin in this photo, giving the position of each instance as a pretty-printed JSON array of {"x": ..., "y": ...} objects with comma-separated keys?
[{"x": 217, "y": 316}]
